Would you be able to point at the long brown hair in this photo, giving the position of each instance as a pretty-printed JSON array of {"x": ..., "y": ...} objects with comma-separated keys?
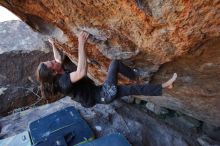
[{"x": 47, "y": 80}]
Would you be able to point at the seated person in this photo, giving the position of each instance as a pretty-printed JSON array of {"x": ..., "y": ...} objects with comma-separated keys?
[{"x": 55, "y": 78}]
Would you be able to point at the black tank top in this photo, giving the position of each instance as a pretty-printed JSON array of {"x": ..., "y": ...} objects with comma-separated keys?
[{"x": 81, "y": 91}]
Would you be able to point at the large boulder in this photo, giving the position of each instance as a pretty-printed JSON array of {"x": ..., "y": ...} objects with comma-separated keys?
[
  {"x": 16, "y": 35},
  {"x": 118, "y": 117},
  {"x": 145, "y": 34},
  {"x": 21, "y": 50},
  {"x": 18, "y": 86}
]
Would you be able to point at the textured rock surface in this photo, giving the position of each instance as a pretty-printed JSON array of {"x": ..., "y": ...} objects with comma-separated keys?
[
  {"x": 17, "y": 78},
  {"x": 145, "y": 34},
  {"x": 197, "y": 88},
  {"x": 16, "y": 35},
  {"x": 117, "y": 117},
  {"x": 19, "y": 59}
]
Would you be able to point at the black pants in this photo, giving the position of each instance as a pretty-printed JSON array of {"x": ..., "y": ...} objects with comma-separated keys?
[{"x": 110, "y": 90}]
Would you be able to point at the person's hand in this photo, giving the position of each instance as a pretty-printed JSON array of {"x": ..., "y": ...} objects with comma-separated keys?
[
  {"x": 50, "y": 40},
  {"x": 83, "y": 36}
]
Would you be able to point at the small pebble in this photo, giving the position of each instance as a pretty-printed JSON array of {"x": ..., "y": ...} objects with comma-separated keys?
[{"x": 98, "y": 128}]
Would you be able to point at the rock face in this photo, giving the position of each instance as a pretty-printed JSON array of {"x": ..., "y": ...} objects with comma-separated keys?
[
  {"x": 16, "y": 35},
  {"x": 145, "y": 34},
  {"x": 106, "y": 119},
  {"x": 17, "y": 79},
  {"x": 197, "y": 89},
  {"x": 19, "y": 56}
]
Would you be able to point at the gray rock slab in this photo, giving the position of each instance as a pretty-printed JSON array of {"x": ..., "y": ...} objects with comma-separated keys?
[{"x": 136, "y": 125}]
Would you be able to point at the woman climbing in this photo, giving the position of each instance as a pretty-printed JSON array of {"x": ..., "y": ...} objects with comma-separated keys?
[{"x": 55, "y": 78}]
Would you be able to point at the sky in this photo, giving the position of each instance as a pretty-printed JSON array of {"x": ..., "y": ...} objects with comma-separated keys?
[{"x": 6, "y": 15}]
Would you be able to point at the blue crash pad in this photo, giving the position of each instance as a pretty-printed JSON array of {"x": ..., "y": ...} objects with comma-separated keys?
[
  {"x": 110, "y": 140},
  {"x": 64, "y": 127}
]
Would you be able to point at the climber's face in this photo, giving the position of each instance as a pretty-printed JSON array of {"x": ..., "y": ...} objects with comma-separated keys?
[{"x": 53, "y": 65}]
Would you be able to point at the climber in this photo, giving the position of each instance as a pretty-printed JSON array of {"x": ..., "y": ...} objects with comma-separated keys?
[{"x": 54, "y": 78}]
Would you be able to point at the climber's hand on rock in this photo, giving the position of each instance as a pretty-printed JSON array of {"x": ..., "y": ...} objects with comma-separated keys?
[
  {"x": 50, "y": 40},
  {"x": 83, "y": 36}
]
